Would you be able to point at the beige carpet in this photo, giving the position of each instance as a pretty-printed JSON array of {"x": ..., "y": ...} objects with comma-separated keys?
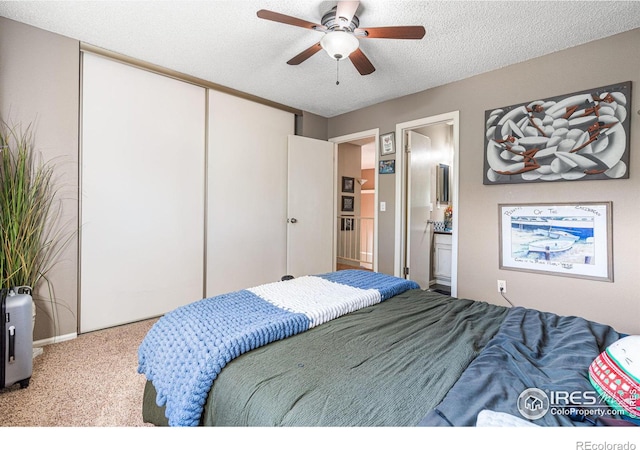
[{"x": 88, "y": 381}]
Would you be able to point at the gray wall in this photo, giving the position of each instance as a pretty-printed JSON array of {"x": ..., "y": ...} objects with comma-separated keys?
[
  {"x": 39, "y": 84},
  {"x": 600, "y": 63},
  {"x": 311, "y": 126}
]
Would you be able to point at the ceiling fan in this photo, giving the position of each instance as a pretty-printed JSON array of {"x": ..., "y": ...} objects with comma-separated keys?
[{"x": 341, "y": 34}]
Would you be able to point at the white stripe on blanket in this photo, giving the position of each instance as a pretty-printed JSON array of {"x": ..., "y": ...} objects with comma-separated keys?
[{"x": 319, "y": 299}]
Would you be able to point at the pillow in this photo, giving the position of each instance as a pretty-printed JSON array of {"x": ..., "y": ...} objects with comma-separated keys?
[{"x": 615, "y": 375}]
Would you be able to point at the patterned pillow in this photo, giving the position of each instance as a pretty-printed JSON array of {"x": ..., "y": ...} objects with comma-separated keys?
[{"x": 615, "y": 375}]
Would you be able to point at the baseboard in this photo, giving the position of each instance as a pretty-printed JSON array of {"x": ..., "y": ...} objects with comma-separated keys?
[{"x": 55, "y": 340}]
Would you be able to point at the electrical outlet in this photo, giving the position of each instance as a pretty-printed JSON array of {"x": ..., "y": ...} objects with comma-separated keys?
[{"x": 502, "y": 286}]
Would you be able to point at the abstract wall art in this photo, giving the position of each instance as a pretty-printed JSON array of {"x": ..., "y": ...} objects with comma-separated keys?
[{"x": 579, "y": 136}]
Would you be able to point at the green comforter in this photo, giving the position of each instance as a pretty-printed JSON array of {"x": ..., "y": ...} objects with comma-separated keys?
[{"x": 385, "y": 365}]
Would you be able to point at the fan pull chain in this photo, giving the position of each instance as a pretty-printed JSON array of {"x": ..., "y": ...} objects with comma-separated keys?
[{"x": 337, "y": 71}]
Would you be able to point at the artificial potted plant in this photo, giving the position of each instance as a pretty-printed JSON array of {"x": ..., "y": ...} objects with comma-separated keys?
[{"x": 29, "y": 241}]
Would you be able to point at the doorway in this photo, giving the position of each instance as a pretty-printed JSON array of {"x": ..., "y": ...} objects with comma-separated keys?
[
  {"x": 426, "y": 222},
  {"x": 356, "y": 179}
]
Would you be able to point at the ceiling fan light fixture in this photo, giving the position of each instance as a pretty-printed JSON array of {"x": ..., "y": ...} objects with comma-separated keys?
[{"x": 339, "y": 44}]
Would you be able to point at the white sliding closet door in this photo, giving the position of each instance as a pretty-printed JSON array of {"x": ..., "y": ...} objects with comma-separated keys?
[
  {"x": 142, "y": 232},
  {"x": 247, "y": 193}
]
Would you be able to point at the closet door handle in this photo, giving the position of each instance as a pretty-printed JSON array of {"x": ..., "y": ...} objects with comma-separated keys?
[{"x": 293, "y": 220}]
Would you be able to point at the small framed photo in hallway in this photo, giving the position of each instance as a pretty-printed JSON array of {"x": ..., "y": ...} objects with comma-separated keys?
[
  {"x": 348, "y": 184},
  {"x": 346, "y": 224},
  {"x": 347, "y": 203}
]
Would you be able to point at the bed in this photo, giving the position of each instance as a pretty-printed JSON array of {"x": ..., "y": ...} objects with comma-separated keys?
[{"x": 363, "y": 349}]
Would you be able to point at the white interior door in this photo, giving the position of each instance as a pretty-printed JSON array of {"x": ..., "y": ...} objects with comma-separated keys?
[
  {"x": 311, "y": 221},
  {"x": 419, "y": 209}
]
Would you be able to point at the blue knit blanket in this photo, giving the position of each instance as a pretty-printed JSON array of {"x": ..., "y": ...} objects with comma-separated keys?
[{"x": 186, "y": 349}]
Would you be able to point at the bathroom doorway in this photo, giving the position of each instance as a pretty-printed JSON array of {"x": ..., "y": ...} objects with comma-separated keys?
[{"x": 427, "y": 190}]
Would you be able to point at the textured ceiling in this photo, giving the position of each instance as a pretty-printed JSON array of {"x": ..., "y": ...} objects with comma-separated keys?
[{"x": 226, "y": 43}]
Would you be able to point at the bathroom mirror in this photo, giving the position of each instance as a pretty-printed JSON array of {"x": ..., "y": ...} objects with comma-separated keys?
[{"x": 442, "y": 183}]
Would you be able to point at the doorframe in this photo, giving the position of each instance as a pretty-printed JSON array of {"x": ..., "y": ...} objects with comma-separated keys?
[
  {"x": 375, "y": 133},
  {"x": 401, "y": 214}
]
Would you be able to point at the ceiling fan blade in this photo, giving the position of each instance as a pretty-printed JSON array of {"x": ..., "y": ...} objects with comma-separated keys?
[
  {"x": 346, "y": 10},
  {"x": 409, "y": 32},
  {"x": 282, "y": 18},
  {"x": 361, "y": 62},
  {"x": 304, "y": 55}
]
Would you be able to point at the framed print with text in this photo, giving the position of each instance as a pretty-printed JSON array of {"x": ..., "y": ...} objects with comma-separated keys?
[
  {"x": 567, "y": 239},
  {"x": 388, "y": 144}
]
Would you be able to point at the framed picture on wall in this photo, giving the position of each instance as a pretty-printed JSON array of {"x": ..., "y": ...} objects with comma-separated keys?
[
  {"x": 388, "y": 166},
  {"x": 346, "y": 224},
  {"x": 567, "y": 239},
  {"x": 388, "y": 144},
  {"x": 347, "y": 203},
  {"x": 580, "y": 136},
  {"x": 348, "y": 184}
]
